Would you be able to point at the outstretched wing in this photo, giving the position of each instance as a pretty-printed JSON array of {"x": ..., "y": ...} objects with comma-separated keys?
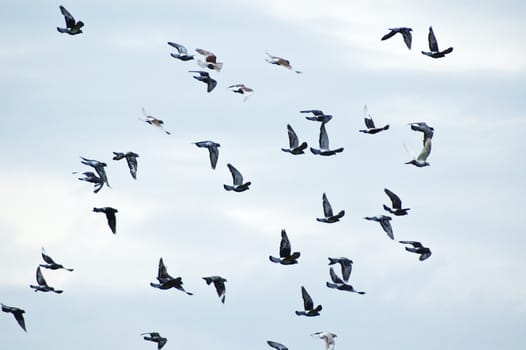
[
  {"x": 334, "y": 277},
  {"x": 433, "y": 45},
  {"x": 324, "y": 138},
  {"x": 293, "y": 138},
  {"x": 307, "y": 300},
  {"x": 70, "y": 20},
  {"x": 395, "y": 200},
  {"x": 46, "y": 257},
  {"x": 284, "y": 247},
  {"x": 425, "y": 151},
  {"x": 40, "y": 278},
  {"x": 180, "y": 48},
  {"x": 327, "y": 209},
  {"x": 236, "y": 175}
]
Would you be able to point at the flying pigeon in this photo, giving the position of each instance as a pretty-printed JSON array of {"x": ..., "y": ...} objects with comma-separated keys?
[
  {"x": 384, "y": 222},
  {"x": 205, "y": 78},
  {"x": 73, "y": 27},
  {"x": 156, "y": 338},
  {"x": 346, "y": 265},
  {"x": 396, "y": 204},
  {"x": 424, "y": 128},
  {"x": 166, "y": 281},
  {"x": 242, "y": 89},
  {"x": 327, "y": 212},
  {"x": 406, "y": 33},
  {"x": 317, "y": 115},
  {"x": 239, "y": 186},
  {"x": 369, "y": 123},
  {"x": 418, "y": 248},
  {"x": 90, "y": 176},
  {"x": 421, "y": 160},
  {"x": 153, "y": 121},
  {"x": 324, "y": 144},
  {"x": 110, "y": 216},
  {"x": 17, "y": 313},
  {"x": 280, "y": 62},
  {"x": 219, "y": 284},
  {"x": 99, "y": 168},
  {"x": 213, "y": 150},
  {"x": 328, "y": 337},
  {"x": 294, "y": 146},
  {"x": 210, "y": 60},
  {"x": 276, "y": 345},
  {"x": 51, "y": 264},
  {"x": 434, "y": 52},
  {"x": 308, "y": 305},
  {"x": 286, "y": 258},
  {"x": 131, "y": 159},
  {"x": 182, "y": 52},
  {"x": 338, "y": 283},
  {"x": 42, "y": 284}
]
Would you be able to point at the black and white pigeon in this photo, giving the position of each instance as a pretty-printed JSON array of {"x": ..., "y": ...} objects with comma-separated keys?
[
  {"x": 421, "y": 160},
  {"x": 205, "y": 78},
  {"x": 327, "y": 337},
  {"x": 276, "y": 345},
  {"x": 50, "y": 263},
  {"x": 317, "y": 115},
  {"x": 17, "y": 312},
  {"x": 210, "y": 61},
  {"x": 99, "y": 168},
  {"x": 213, "y": 151},
  {"x": 239, "y": 185},
  {"x": 346, "y": 265},
  {"x": 280, "y": 61},
  {"x": 156, "y": 338},
  {"x": 418, "y": 248},
  {"x": 42, "y": 284},
  {"x": 182, "y": 52},
  {"x": 308, "y": 305},
  {"x": 324, "y": 149},
  {"x": 369, "y": 123},
  {"x": 73, "y": 27},
  {"x": 384, "y": 221},
  {"x": 396, "y": 204},
  {"x": 131, "y": 159},
  {"x": 110, "y": 216},
  {"x": 424, "y": 128},
  {"x": 328, "y": 213},
  {"x": 294, "y": 146},
  {"x": 285, "y": 256},
  {"x": 166, "y": 281},
  {"x": 406, "y": 33},
  {"x": 219, "y": 284},
  {"x": 154, "y": 121},
  {"x": 90, "y": 176},
  {"x": 434, "y": 51},
  {"x": 338, "y": 283}
]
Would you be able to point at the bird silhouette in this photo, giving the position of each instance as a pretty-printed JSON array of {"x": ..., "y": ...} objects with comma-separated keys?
[
  {"x": 280, "y": 62},
  {"x": 328, "y": 213},
  {"x": 90, "y": 176},
  {"x": 338, "y": 283},
  {"x": 213, "y": 151},
  {"x": 327, "y": 337},
  {"x": 131, "y": 159},
  {"x": 241, "y": 89},
  {"x": 308, "y": 305},
  {"x": 286, "y": 258},
  {"x": 396, "y": 204},
  {"x": 384, "y": 221},
  {"x": 317, "y": 115},
  {"x": 418, "y": 248},
  {"x": 73, "y": 27},
  {"x": 421, "y": 160},
  {"x": 239, "y": 185},
  {"x": 324, "y": 149},
  {"x": 434, "y": 51},
  {"x": 18, "y": 313},
  {"x": 110, "y": 216},
  {"x": 42, "y": 284},
  {"x": 166, "y": 281},
  {"x": 219, "y": 284},
  {"x": 406, "y": 33},
  {"x": 99, "y": 168},
  {"x": 346, "y": 266},
  {"x": 50, "y": 263},
  {"x": 156, "y": 338},
  {"x": 210, "y": 61},
  {"x": 182, "y": 52},
  {"x": 153, "y": 121},
  {"x": 369, "y": 123},
  {"x": 205, "y": 78},
  {"x": 294, "y": 146}
]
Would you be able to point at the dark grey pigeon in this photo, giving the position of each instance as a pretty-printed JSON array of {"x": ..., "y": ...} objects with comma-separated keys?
[
  {"x": 308, "y": 305},
  {"x": 276, "y": 345},
  {"x": 434, "y": 52},
  {"x": 286, "y": 258},
  {"x": 369, "y": 123},
  {"x": 166, "y": 281},
  {"x": 328, "y": 213},
  {"x": 421, "y": 160},
  {"x": 346, "y": 265},
  {"x": 294, "y": 146},
  {"x": 110, "y": 216},
  {"x": 219, "y": 284},
  {"x": 182, "y": 52},
  {"x": 156, "y": 338},
  {"x": 99, "y": 168},
  {"x": 17, "y": 313},
  {"x": 50, "y": 263},
  {"x": 317, "y": 115},
  {"x": 384, "y": 222},
  {"x": 396, "y": 204},
  {"x": 42, "y": 284},
  {"x": 73, "y": 27},
  {"x": 237, "y": 178},
  {"x": 424, "y": 128},
  {"x": 418, "y": 248},
  {"x": 131, "y": 159},
  {"x": 205, "y": 78},
  {"x": 213, "y": 150},
  {"x": 406, "y": 33},
  {"x": 324, "y": 144},
  {"x": 338, "y": 283},
  {"x": 90, "y": 176}
]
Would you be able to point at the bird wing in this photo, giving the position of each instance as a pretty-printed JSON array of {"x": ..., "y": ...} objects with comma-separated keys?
[
  {"x": 395, "y": 200},
  {"x": 70, "y": 20},
  {"x": 335, "y": 278},
  {"x": 369, "y": 123},
  {"x": 433, "y": 45},
  {"x": 276, "y": 345},
  {"x": 112, "y": 220},
  {"x": 180, "y": 48},
  {"x": 211, "y": 84},
  {"x": 425, "y": 151},
  {"x": 19, "y": 317},
  {"x": 213, "y": 155},
  {"x": 386, "y": 225},
  {"x": 132, "y": 165},
  {"x": 201, "y": 73},
  {"x": 308, "y": 304},
  {"x": 47, "y": 258},
  {"x": 313, "y": 111},
  {"x": 324, "y": 138},
  {"x": 408, "y": 37},
  {"x": 236, "y": 175},
  {"x": 40, "y": 278},
  {"x": 346, "y": 269},
  {"x": 219, "y": 284},
  {"x": 284, "y": 247},
  {"x": 293, "y": 138},
  {"x": 388, "y": 35},
  {"x": 413, "y": 243},
  {"x": 327, "y": 209},
  {"x": 162, "y": 272},
  {"x": 209, "y": 56}
]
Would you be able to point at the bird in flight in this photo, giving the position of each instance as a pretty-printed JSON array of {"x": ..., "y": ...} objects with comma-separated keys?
[
  {"x": 434, "y": 51},
  {"x": 219, "y": 284},
  {"x": 324, "y": 149},
  {"x": 156, "y": 338},
  {"x": 346, "y": 266},
  {"x": 421, "y": 160},
  {"x": 18, "y": 313},
  {"x": 237, "y": 178},
  {"x": 418, "y": 248},
  {"x": 42, "y": 284},
  {"x": 182, "y": 52},
  {"x": 205, "y": 78},
  {"x": 338, "y": 283},
  {"x": 90, "y": 176},
  {"x": 369, "y": 123},
  {"x": 396, "y": 204},
  {"x": 384, "y": 221},
  {"x": 73, "y": 27},
  {"x": 406, "y": 33},
  {"x": 285, "y": 256},
  {"x": 241, "y": 89},
  {"x": 280, "y": 62},
  {"x": 99, "y": 168},
  {"x": 327, "y": 337},
  {"x": 294, "y": 146},
  {"x": 210, "y": 60},
  {"x": 308, "y": 305},
  {"x": 50, "y": 263},
  {"x": 153, "y": 121},
  {"x": 213, "y": 151},
  {"x": 328, "y": 213},
  {"x": 131, "y": 159},
  {"x": 110, "y": 216},
  {"x": 166, "y": 281},
  {"x": 317, "y": 115}
]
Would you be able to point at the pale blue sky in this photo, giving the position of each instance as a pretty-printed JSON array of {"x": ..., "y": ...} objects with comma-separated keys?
[{"x": 66, "y": 97}]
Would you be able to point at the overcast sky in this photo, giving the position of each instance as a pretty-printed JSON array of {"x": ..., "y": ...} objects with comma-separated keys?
[{"x": 70, "y": 96}]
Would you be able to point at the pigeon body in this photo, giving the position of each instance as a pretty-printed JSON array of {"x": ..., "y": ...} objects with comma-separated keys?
[
  {"x": 434, "y": 51},
  {"x": 219, "y": 284},
  {"x": 346, "y": 266},
  {"x": 317, "y": 115},
  {"x": 156, "y": 338},
  {"x": 50, "y": 263},
  {"x": 131, "y": 159},
  {"x": 369, "y": 123},
  {"x": 182, "y": 52},
  {"x": 239, "y": 185},
  {"x": 18, "y": 313},
  {"x": 241, "y": 89},
  {"x": 396, "y": 204},
  {"x": 210, "y": 61},
  {"x": 294, "y": 146},
  {"x": 73, "y": 27},
  {"x": 213, "y": 151},
  {"x": 308, "y": 305},
  {"x": 110, "y": 216},
  {"x": 327, "y": 337},
  {"x": 404, "y": 31},
  {"x": 328, "y": 213},
  {"x": 42, "y": 284},
  {"x": 384, "y": 221},
  {"x": 338, "y": 283},
  {"x": 205, "y": 78},
  {"x": 280, "y": 62},
  {"x": 418, "y": 248},
  {"x": 90, "y": 176},
  {"x": 99, "y": 168},
  {"x": 421, "y": 160},
  {"x": 153, "y": 121},
  {"x": 166, "y": 281},
  {"x": 324, "y": 149},
  {"x": 285, "y": 256}
]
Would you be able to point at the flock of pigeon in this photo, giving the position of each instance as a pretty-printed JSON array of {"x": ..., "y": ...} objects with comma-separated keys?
[{"x": 165, "y": 281}]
